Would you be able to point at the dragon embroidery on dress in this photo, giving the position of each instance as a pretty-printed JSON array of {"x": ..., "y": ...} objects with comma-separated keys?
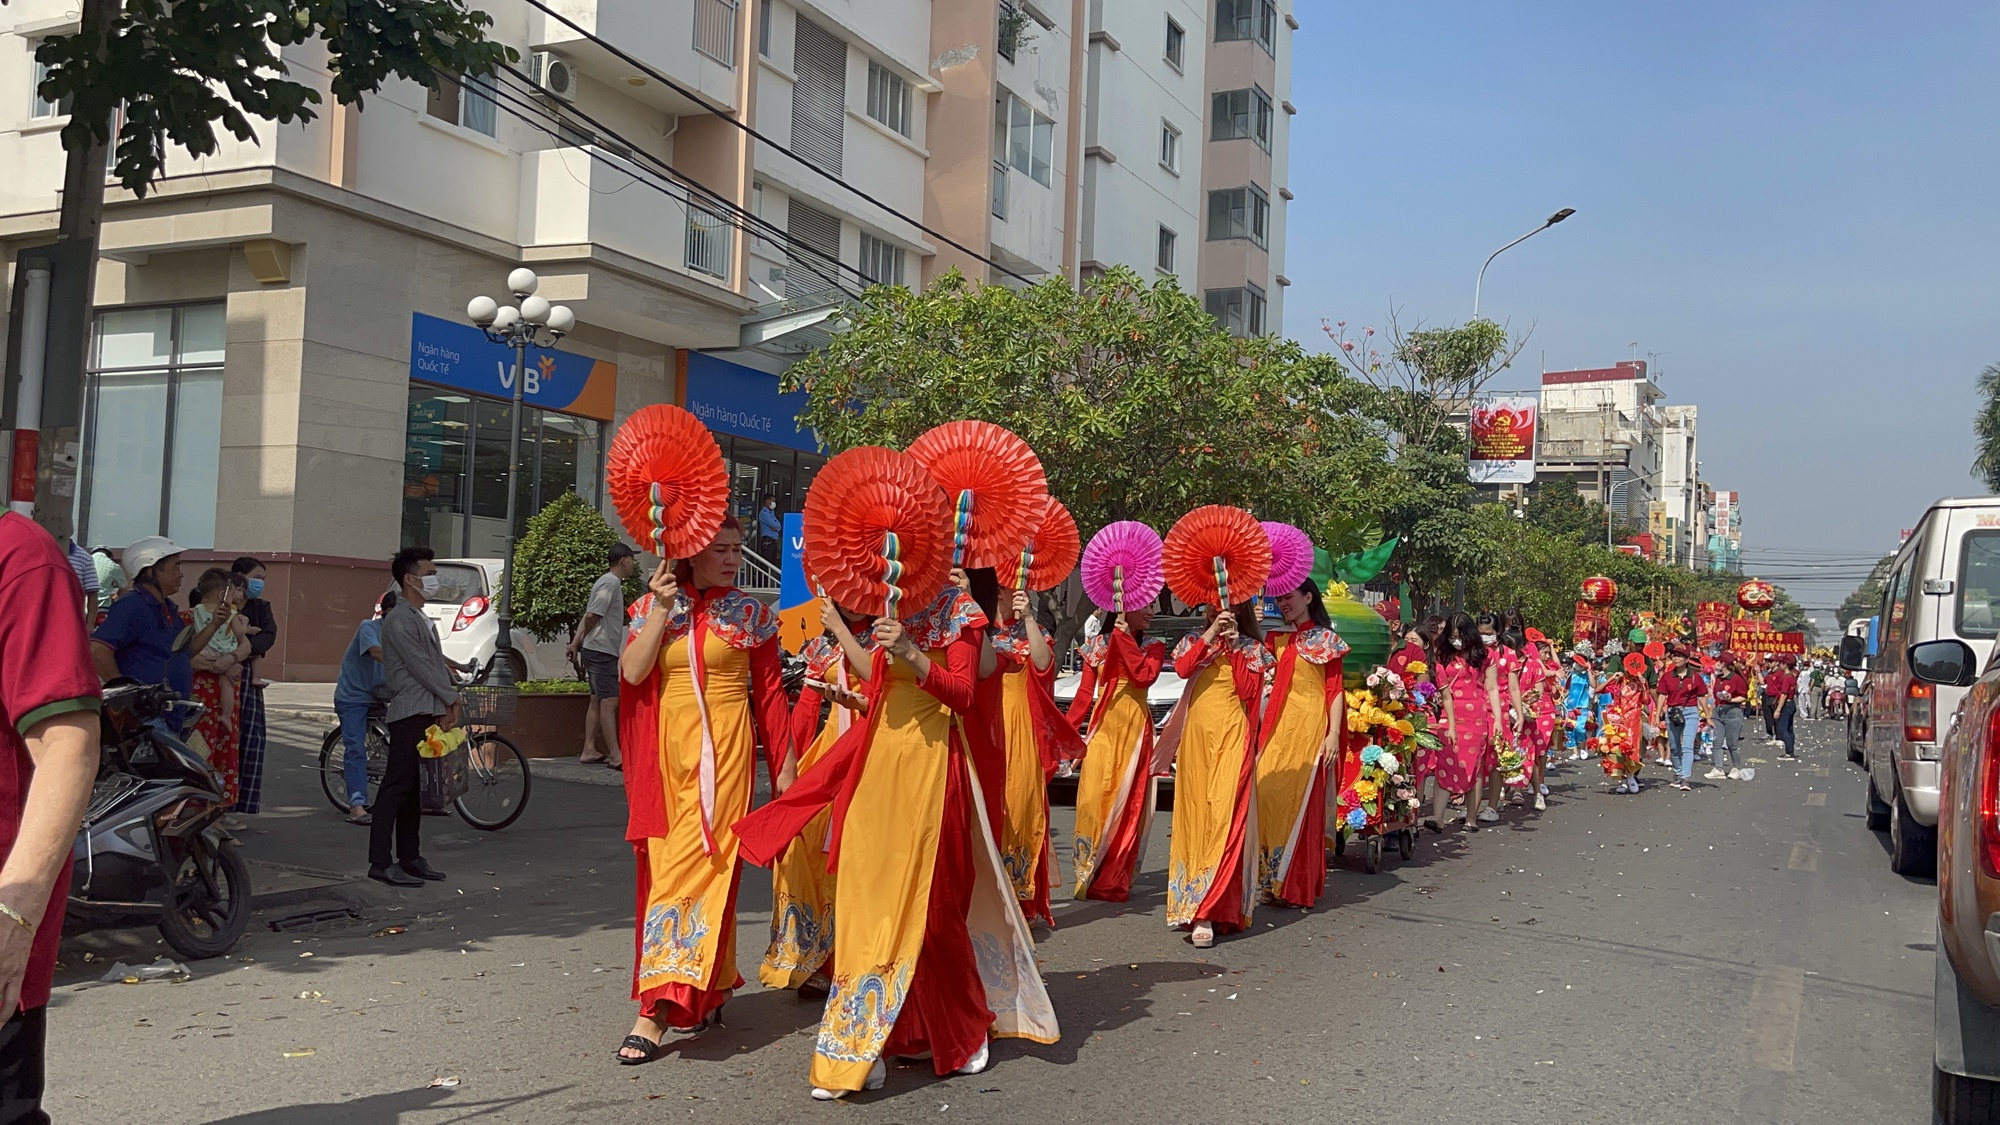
[
  {"x": 739, "y": 620},
  {"x": 1020, "y": 864},
  {"x": 1319, "y": 644},
  {"x": 1011, "y": 639},
  {"x": 674, "y": 934},
  {"x": 1095, "y": 650},
  {"x": 1083, "y": 857},
  {"x": 800, "y": 940},
  {"x": 943, "y": 620},
  {"x": 823, "y": 653},
  {"x": 1185, "y": 892},
  {"x": 1268, "y": 861},
  {"x": 860, "y": 1014}
]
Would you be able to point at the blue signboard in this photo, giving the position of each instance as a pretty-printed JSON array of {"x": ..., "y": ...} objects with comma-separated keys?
[
  {"x": 730, "y": 398},
  {"x": 451, "y": 354},
  {"x": 792, "y": 589}
]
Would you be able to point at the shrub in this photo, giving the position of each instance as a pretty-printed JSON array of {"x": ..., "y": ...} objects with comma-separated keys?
[{"x": 555, "y": 564}]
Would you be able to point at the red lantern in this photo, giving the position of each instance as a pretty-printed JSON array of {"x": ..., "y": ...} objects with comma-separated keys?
[
  {"x": 1756, "y": 595},
  {"x": 1600, "y": 590}
]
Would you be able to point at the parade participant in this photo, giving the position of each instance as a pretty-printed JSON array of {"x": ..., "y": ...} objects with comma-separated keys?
[
  {"x": 1579, "y": 703},
  {"x": 1115, "y": 788},
  {"x": 1681, "y": 690},
  {"x": 1540, "y": 685},
  {"x": 1419, "y": 647},
  {"x": 1623, "y": 724},
  {"x": 802, "y": 890},
  {"x": 1036, "y": 736},
  {"x": 715, "y": 652},
  {"x": 918, "y": 883},
  {"x": 1298, "y": 742},
  {"x": 1782, "y": 687},
  {"x": 985, "y": 740},
  {"x": 1502, "y": 634},
  {"x": 1211, "y": 876},
  {"x": 1469, "y": 683},
  {"x": 1731, "y": 691}
]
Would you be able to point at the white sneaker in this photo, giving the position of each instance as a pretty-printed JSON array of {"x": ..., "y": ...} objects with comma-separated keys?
[
  {"x": 877, "y": 1075},
  {"x": 1541, "y": 802},
  {"x": 1544, "y": 791},
  {"x": 1488, "y": 815},
  {"x": 978, "y": 1061},
  {"x": 1631, "y": 785},
  {"x": 1736, "y": 775},
  {"x": 1714, "y": 775}
]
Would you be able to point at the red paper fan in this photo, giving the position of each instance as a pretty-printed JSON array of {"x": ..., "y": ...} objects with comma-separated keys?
[
  {"x": 667, "y": 480},
  {"x": 1214, "y": 544},
  {"x": 1051, "y": 554},
  {"x": 994, "y": 483},
  {"x": 862, "y": 501}
]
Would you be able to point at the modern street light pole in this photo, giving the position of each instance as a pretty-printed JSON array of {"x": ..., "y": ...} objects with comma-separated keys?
[
  {"x": 1558, "y": 217},
  {"x": 536, "y": 323}
]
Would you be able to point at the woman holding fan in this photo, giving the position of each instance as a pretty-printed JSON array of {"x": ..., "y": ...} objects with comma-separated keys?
[
  {"x": 918, "y": 884},
  {"x": 706, "y": 661},
  {"x": 1299, "y": 737},
  {"x": 1116, "y": 788},
  {"x": 1212, "y": 871}
]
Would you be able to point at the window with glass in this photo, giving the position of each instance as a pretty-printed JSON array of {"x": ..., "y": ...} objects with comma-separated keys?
[
  {"x": 1176, "y": 44},
  {"x": 1253, "y": 310},
  {"x": 1260, "y": 126},
  {"x": 1226, "y": 306},
  {"x": 764, "y": 28},
  {"x": 888, "y": 98},
  {"x": 1239, "y": 114},
  {"x": 881, "y": 261},
  {"x": 1027, "y": 136},
  {"x": 1247, "y": 19},
  {"x": 1243, "y": 212},
  {"x": 1012, "y": 20},
  {"x": 455, "y": 469},
  {"x": 1164, "y": 262},
  {"x": 466, "y": 102},
  {"x": 39, "y": 108},
  {"x": 152, "y": 426},
  {"x": 1979, "y": 584},
  {"x": 1170, "y": 146},
  {"x": 999, "y": 190}
]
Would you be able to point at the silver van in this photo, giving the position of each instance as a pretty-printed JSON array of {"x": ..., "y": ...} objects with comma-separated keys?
[{"x": 1943, "y": 585}]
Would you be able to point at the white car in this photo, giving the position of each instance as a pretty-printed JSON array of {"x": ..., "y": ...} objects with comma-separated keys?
[
  {"x": 1160, "y": 698},
  {"x": 466, "y": 612}
]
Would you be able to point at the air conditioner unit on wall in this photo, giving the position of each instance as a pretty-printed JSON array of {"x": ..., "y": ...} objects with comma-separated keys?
[{"x": 553, "y": 74}]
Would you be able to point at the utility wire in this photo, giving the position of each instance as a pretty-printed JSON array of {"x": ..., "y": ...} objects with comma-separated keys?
[{"x": 724, "y": 114}]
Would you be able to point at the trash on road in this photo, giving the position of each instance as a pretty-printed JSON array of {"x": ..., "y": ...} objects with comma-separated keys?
[
  {"x": 444, "y": 1083},
  {"x": 162, "y": 968},
  {"x": 300, "y": 1052},
  {"x": 389, "y": 931}
]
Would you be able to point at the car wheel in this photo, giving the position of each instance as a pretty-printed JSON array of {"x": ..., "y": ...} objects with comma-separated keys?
[
  {"x": 1878, "y": 809},
  {"x": 1912, "y": 847},
  {"x": 1959, "y": 1100}
]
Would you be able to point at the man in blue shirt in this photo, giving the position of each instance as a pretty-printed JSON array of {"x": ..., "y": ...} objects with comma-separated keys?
[
  {"x": 360, "y": 674},
  {"x": 770, "y": 529},
  {"x": 137, "y": 638}
]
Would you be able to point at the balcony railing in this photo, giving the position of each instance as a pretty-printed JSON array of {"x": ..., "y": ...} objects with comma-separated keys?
[
  {"x": 715, "y": 32},
  {"x": 708, "y": 242}
]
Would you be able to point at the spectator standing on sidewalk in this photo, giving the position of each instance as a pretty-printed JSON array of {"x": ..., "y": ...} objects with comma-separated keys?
[
  {"x": 48, "y": 760},
  {"x": 85, "y": 567},
  {"x": 770, "y": 530},
  {"x": 414, "y": 665},
  {"x": 111, "y": 578},
  {"x": 600, "y": 636},
  {"x": 262, "y": 636},
  {"x": 1732, "y": 691},
  {"x": 359, "y": 688}
]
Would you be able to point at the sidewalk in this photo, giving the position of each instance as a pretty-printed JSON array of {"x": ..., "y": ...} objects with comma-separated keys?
[{"x": 311, "y": 702}]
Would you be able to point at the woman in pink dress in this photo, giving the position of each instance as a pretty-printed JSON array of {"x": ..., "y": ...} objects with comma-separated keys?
[
  {"x": 1469, "y": 690},
  {"x": 1503, "y": 646},
  {"x": 1539, "y": 683}
]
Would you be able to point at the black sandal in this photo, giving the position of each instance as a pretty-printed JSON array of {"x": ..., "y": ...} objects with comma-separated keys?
[{"x": 637, "y": 1043}]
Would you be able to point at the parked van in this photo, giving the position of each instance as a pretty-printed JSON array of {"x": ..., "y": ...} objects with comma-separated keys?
[{"x": 1944, "y": 585}]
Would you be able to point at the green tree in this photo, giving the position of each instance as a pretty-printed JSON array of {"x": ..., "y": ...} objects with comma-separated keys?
[
  {"x": 561, "y": 554},
  {"x": 1556, "y": 506},
  {"x": 1138, "y": 404},
  {"x": 1986, "y": 429},
  {"x": 176, "y": 70},
  {"x": 1425, "y": 375},
  {"x": 1867, "y": 597}
]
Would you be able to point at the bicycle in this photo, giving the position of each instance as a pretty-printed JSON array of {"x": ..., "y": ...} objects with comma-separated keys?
[{"x": 498, "y": 778}]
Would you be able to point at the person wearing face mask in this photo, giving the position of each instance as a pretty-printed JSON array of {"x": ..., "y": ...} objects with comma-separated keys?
[
  {"x": 262, "y": 636},
  {"x": 1501, "y": 634},
  {"x": 1469, "y": 684},
  {"x": 1298, "y": 744},
  {"x": 415, "y": 668},
  {"x": 1115, "y": 787}
]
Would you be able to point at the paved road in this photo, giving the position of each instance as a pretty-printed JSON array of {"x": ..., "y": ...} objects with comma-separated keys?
[{"x": 1741, "y": 953}]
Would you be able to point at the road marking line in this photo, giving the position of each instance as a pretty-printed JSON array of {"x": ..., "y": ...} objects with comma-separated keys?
[
  {"x": 1805, "y": 857},
  {"x": 1772, "y": 1034},
  {"x": 1818, "y": 799}
]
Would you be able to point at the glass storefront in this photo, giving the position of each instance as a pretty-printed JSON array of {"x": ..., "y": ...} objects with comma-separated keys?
[
  {"x": 455, "y": 469},
  {"x": 758, "y": 472}
]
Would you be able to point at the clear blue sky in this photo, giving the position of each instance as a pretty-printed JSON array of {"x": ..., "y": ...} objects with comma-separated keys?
[{"x": 1796, "y": 205}]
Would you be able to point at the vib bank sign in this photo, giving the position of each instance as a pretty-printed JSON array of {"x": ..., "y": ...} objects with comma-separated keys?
[{"x": 450, "y": 354}]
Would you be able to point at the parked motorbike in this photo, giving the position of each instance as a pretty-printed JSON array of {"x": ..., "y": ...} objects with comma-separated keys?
[{"x": 152, "y": 845}]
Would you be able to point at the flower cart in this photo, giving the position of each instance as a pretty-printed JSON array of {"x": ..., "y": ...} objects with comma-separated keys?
[{"x": 1387, "y": 741}]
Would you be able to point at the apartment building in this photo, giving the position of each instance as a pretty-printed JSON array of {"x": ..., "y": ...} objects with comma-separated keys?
[
  {"x": 1244, "y": 161},
  {"x": 1682, "y": 505},
  {"x": 1601, "y": 428}
]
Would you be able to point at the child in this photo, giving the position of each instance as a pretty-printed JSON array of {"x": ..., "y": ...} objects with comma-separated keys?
[
  {"x": 225, "y": 649},
  {"x": 1623, "y": 725}
]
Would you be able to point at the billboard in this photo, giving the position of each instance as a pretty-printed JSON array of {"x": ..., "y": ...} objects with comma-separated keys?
[
  {"x": 450, "y": 354},
  {"x": 1502, "y": 432}
]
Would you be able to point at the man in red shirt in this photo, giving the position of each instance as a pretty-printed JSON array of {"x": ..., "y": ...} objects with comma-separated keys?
[
  {"x": 1732, "y": 691},
  {"x": 1682, "y": 689},
  {"x": 48, "y": 761},
  {"x": 1782, "y": 685}
]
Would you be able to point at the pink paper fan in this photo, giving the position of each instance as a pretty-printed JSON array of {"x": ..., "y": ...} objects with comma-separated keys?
[
  {"x": 1129, "y": 547},
  {"x": 1291, "y": 558}
]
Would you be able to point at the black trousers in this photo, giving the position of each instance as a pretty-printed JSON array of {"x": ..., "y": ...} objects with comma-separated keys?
[
  {"x": 21, "y": 1068},
  {"x": 399, "y": 810}
]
